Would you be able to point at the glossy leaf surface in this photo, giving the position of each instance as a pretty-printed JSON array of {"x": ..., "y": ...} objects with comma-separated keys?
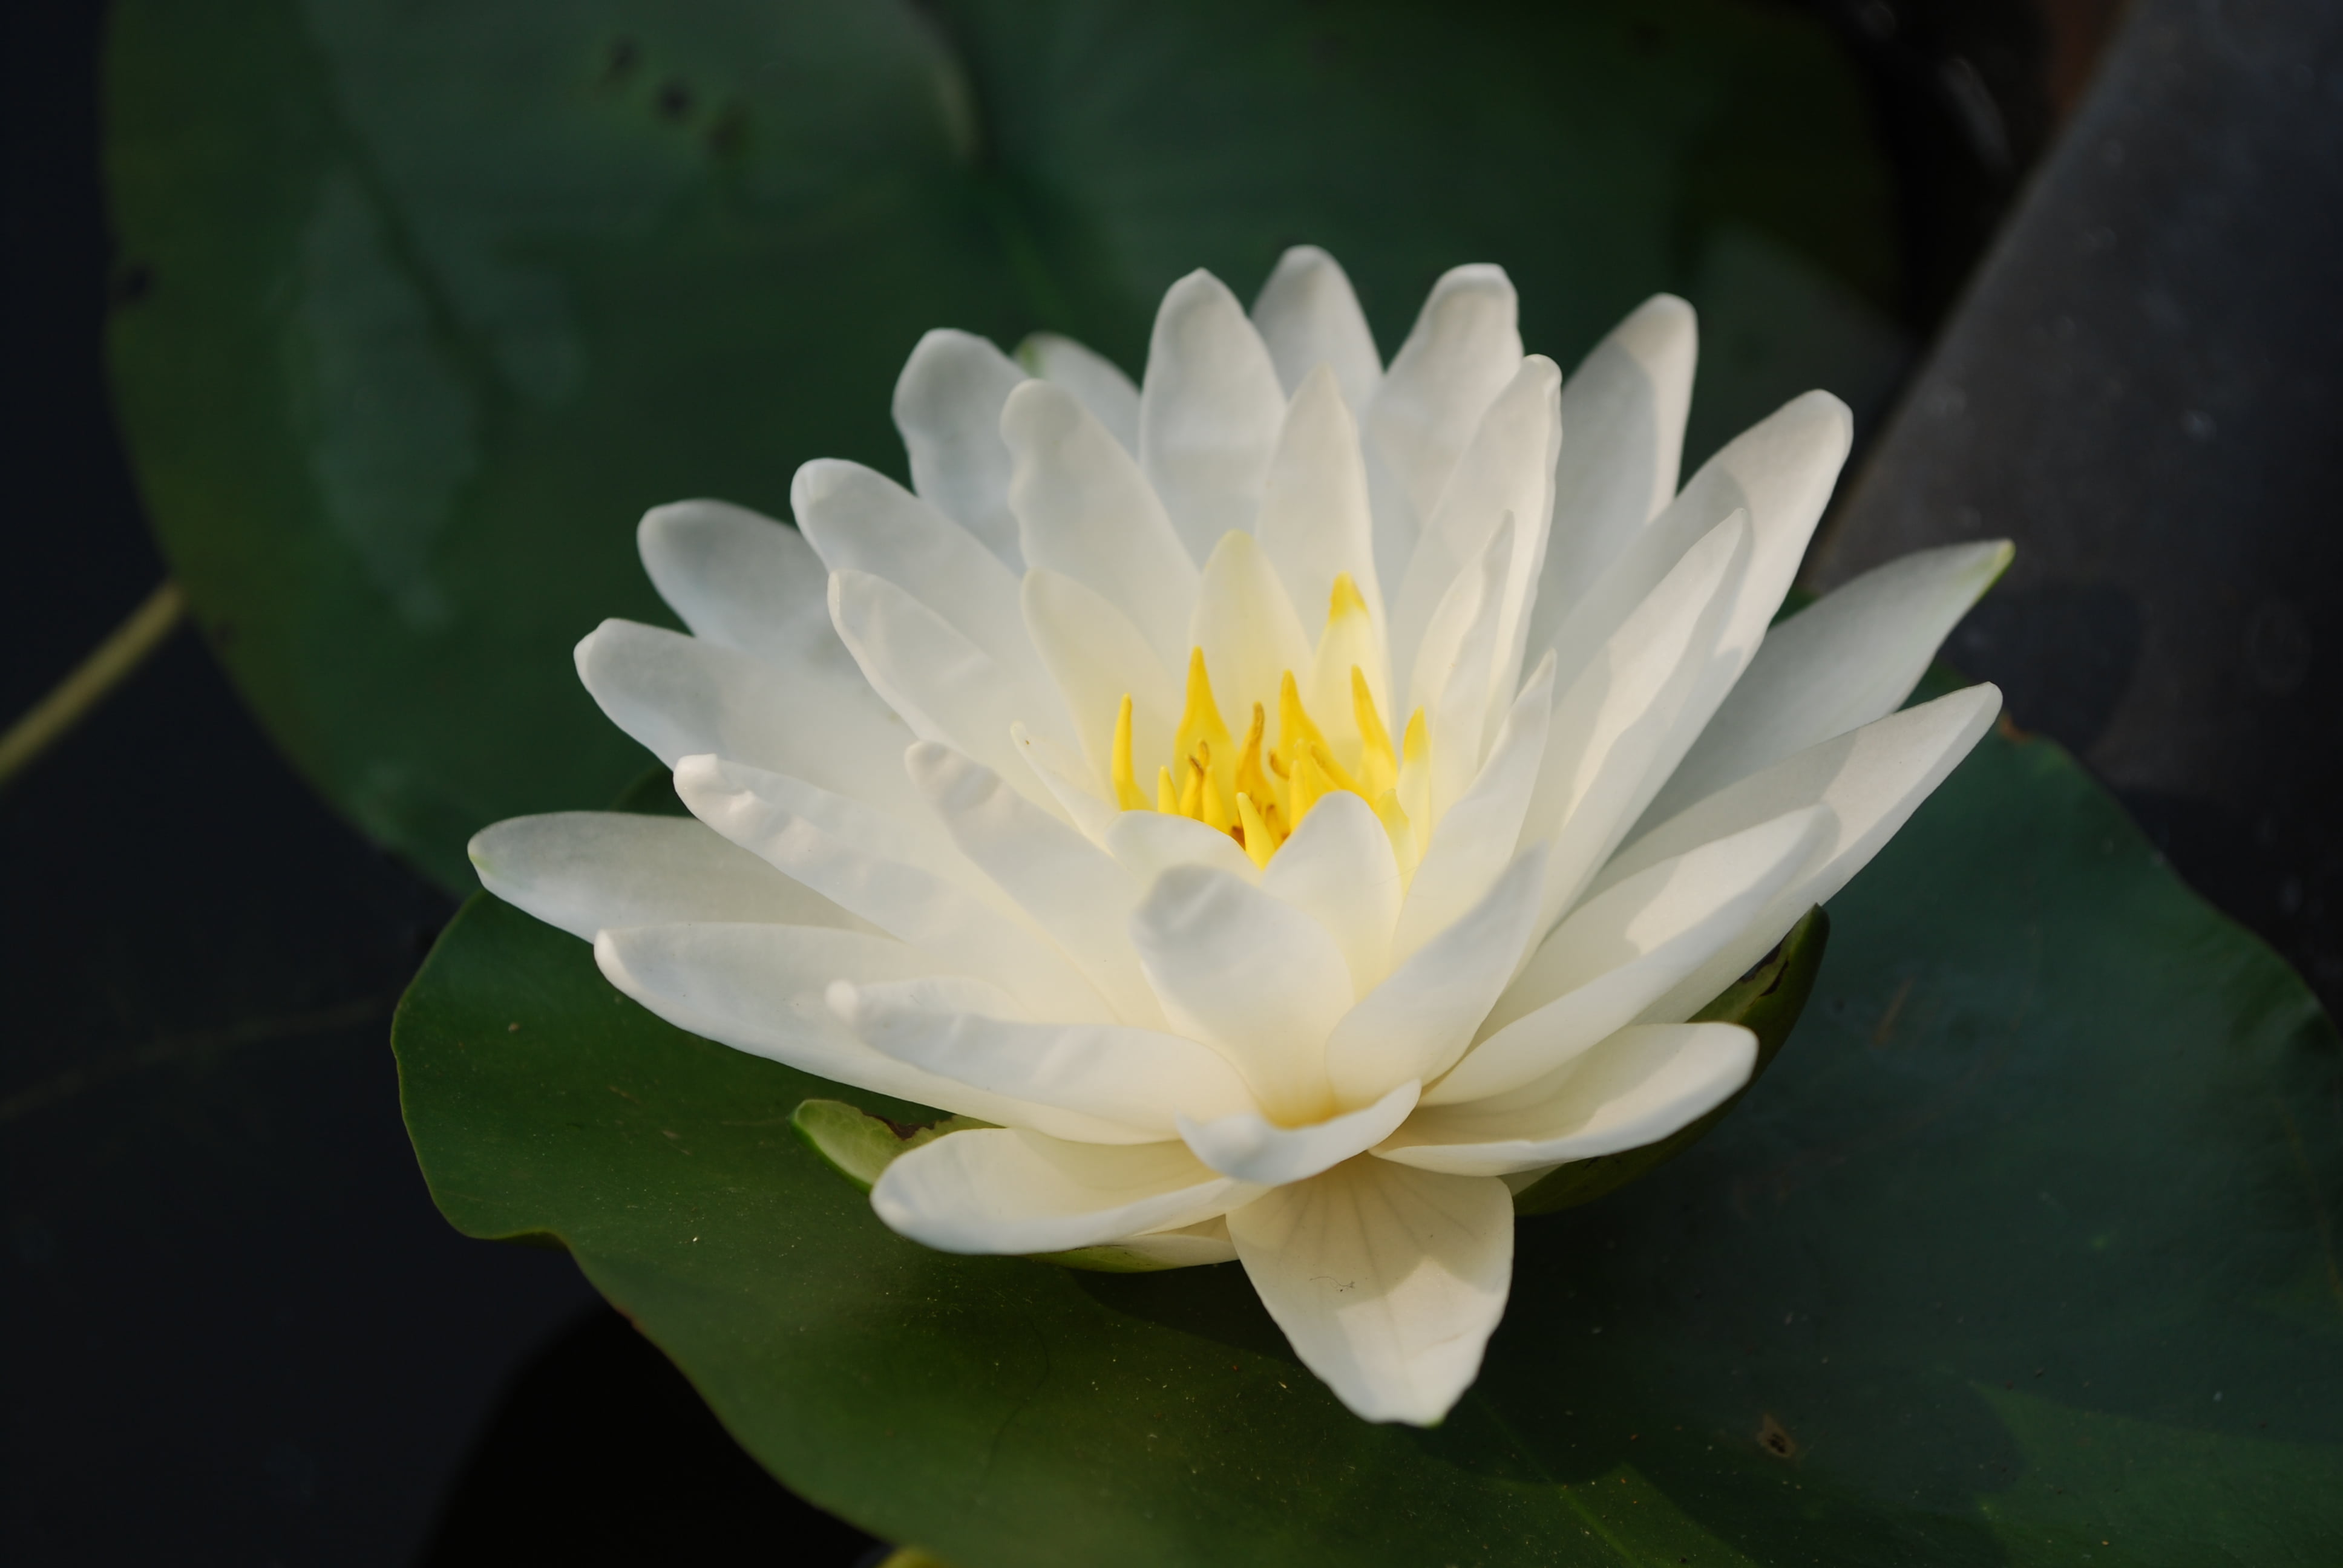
[{"x": 421, "y": 305}]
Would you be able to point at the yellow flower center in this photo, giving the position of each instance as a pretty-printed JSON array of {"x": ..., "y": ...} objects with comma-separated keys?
[{"x": 1259, "y": 793}]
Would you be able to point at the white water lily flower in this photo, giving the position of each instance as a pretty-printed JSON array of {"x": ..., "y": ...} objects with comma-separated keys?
[{"x": 1296, "y": 800}]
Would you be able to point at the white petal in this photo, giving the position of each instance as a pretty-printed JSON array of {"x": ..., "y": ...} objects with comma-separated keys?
[
  {"x": 1091, "y": 375},
  {"x": 1625, "y": 707},
  {"x": 1097, "y": 657},
  {"x": 1471, "y": 844},
  {"x": 1416, "y": 1024},
  {"x": 1208, "y": 411},
  {"x": 1624, "y": 949},
  {"x": 864, "y": 863},
  {"x": 1780, "y": 471},
  {"x": 948, "y": 404},
  {"x": 1252, "y": 1148},
  {"x": 1852, "y": 657},
  {"x": 761, "y": 989},
  {"x": 1085, "y": 509},
  {"x": 1872, "y": 781},
  {"x": 743, "y": 581},
  {"x": 1387, "y": 1282},
  {"x": 1149, "y": 843},
  {"x": 1449, "y": 676},
  {"x": 682, "y": 697},
  {"x": 1635, "y": 1087},
  {"x": 1252, "y": 976},
  {"x": 863, "y": 521},
  {"x": 1338, "y": 868},
  {"x": 1316, "y": 520},
  {"x": 1308, "y": 317},
  {"x": 1507, "y": 471},
  {"x": 1247, "y": 628},
  {"x": 1070, "y": 781},
  {"x": 1001, "y": 1191},
  {"x": 946, "y": 688},
  {"x": 1185, "y": 1248},
  {"x": 1074, "y": 890},
  {"x": 585, "y": 870},
  {"x": 1465, "y": 345},
  {"x": 1622, "y": 410},
  {"x": 954, "y": 1028}
]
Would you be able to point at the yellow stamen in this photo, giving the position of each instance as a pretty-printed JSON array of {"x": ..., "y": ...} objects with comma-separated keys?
[
  {"x": 1261, "y": 840},
  {"x": 1259, "y": 794},
  {"x": 1308, "y": 785},
  {"x": 1126, "y": 782},
  {"x": 1378, "y": 768},
  {"x": 1251, "y": 780},
  {"x": 1295, "y": 731},
  {"x": 1219, "y": 814},
  {"x": 1336, "y": 777},
  {"x": 1199, "y": 720}
]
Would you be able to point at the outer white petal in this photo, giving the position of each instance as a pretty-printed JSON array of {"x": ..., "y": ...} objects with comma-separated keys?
[
  {"x": 740, "y": 580},
  {"x": 1471, "y": 844},
  {"x": 966, "y": 1029},
  {"x": 1414, "y": 1025},
  {"x": 847, "y": 853},
  {"x": 1316, "y": 518},
  {"x": 1247, "y": 628},
  {"x": 761, "y": 989},
  {"x": 1091, "y": 375},
  {"x": 1247, "y": 1145},
  {"x": 1624, "y": 949},
  {"x": 1611, "y": 724},
  {"x": 1465, "y": 345},
  {"x": 1208, "y": 411},
  {"x": 1072, "y": 889},
  {"x": 682, "y": 697},
  {"x": 862, "y": 521},
  {"x": 1149, "y": 843},
  {"x": 1635, "y": 1087},
  {"x": 1872, "y": 781},
  {"x": 1387, "y": 1282},
  {"x": 1507, "y": 471},
  {"x": 1067, "y": 778},
  {"x": 946, "y": 688},
  {"x": 948, "y": 404},
  {"x": 1338, "y": 868},
  {"x": 584, "y": 871},
  {"x": 1185, "y": 1248},
  {"x": 1015, "y": 1193},
  {"x": 1850, "y": 657},
  {"x": 1098, "y": 657},
  {"x": 1249, "y": 974},
  {"x": 1308, "y": 317},
  {"x": 1083, "y": 508},
  {"x": 1780, "y": 471},
  {"x": 1449, "y": 675},
  {"x": 1623, "y": 408}
]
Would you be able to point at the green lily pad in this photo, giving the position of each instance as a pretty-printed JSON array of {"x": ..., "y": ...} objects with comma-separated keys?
[
  {"x": 2023, "y": 1249},
  {"x": 421, "y": 305}
]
